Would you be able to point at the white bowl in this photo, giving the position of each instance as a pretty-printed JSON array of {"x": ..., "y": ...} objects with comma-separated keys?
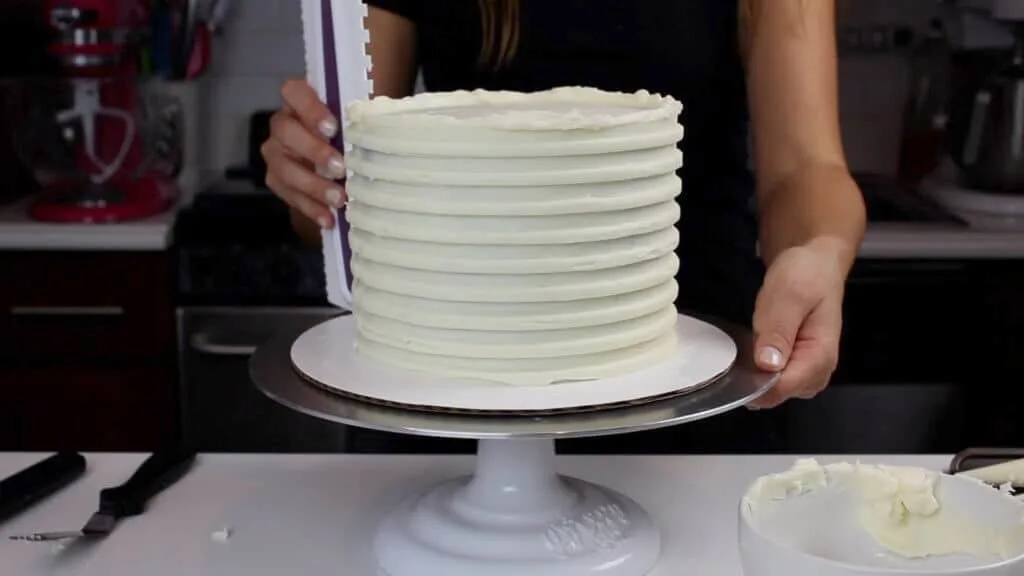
[{"x": 817, "y": 533}]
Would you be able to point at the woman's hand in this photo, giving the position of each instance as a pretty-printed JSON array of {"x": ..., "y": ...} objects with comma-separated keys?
[
  {"x": 298, "y": 145},
  {"x": 798, "y": 319}
]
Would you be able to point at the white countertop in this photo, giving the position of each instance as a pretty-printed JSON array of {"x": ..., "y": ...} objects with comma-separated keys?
[
  {"x": 313, "y": 514},
  {"x": 19, "y": 232}
]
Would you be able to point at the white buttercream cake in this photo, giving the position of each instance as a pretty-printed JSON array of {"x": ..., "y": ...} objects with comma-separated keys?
[{"x": 521, "y": 238}]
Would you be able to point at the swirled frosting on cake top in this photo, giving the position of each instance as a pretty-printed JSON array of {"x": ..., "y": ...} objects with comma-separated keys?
[
  {"x": 522, "y": 238},
  {"x": 566, "y": 108}
]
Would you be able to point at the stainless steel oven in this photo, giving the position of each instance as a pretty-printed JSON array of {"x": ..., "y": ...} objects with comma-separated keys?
[{"x": 222, "y": 410}]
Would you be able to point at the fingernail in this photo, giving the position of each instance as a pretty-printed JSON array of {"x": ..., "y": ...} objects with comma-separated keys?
[
  {"x": 334, "y": 197},
  {"x": 328, "y": 127},
  {"x": 771, "y": 357},
  {"x": 324, "y": 222},
  {"x": 753, "y": 407},
  {"x": 336, "y": 166}
]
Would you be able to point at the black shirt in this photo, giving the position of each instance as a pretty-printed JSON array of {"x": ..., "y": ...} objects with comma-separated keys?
[{"x": 684, "y": 48}]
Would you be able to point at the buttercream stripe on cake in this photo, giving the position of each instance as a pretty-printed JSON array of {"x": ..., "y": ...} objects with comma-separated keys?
[{"x": 478, "y": 258}]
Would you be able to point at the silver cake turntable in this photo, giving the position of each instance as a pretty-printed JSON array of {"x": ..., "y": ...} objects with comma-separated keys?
[{"x": 515, "y": 515}]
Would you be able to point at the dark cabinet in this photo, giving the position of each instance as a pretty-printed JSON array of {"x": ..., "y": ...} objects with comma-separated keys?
[
  {"x": 87, "y": 351},
  {"x": 932, "y": 361},
  {"x": 913, "y": 321},
  {"x": 88, "y": 408}
]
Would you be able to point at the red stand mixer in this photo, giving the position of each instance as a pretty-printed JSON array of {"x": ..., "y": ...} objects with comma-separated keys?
[{"x": 102, "y": 158}]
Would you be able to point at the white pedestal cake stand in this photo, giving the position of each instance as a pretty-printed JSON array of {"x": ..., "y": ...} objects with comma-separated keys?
[{"x": 515, "y": 516}]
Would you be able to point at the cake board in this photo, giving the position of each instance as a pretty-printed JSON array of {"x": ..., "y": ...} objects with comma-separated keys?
[{"x": 515, "y": 514}]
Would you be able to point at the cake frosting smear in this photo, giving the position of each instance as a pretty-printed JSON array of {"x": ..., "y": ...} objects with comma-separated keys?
[
  {"x": 898, "y": 506},
  {"x": 520, "y": 238}
]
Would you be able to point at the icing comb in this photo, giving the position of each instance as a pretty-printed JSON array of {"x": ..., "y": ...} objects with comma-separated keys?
[{"x": 338, "y": 68}]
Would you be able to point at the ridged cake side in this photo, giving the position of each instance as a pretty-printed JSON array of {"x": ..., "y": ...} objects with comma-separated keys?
[{"x": 525, "y": 239}]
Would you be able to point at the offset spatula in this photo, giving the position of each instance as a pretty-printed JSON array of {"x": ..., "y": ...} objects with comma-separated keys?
[
  {"x": 156, "y": 473},
  {"x": 1000, "y": 467}
]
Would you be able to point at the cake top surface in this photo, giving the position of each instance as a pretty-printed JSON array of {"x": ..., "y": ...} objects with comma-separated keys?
[{"x": 564, "y": 108}]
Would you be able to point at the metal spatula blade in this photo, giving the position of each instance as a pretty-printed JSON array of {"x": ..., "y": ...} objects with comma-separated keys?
[
  {"x": 46, "y": 536},
  {"x": 99, "y": 524}
]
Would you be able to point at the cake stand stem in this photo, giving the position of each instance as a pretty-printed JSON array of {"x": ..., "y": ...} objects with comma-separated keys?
[
  {"x": 517, "y": 516},
  {"x": 517, "y": 477}
]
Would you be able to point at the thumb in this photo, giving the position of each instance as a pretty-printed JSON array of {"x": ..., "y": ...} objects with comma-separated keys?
[{"x": 778, "y": 316}]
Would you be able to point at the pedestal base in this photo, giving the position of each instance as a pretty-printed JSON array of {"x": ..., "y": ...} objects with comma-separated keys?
[{"x": 517, "y": 517}]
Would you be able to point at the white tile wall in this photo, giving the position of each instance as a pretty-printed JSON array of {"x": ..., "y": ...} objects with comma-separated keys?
[
  {"x": 262, "y": 45},
  {"x": 259, "y": 48}
]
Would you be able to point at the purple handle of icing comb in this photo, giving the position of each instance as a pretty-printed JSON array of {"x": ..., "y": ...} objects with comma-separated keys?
[{"x": 334, "y": 105}]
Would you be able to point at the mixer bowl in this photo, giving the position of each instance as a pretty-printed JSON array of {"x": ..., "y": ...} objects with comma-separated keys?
[{"x": 91, "y": 131}]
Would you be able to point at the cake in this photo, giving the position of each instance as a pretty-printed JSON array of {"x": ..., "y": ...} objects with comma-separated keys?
[{"x": 518, "y": 238}]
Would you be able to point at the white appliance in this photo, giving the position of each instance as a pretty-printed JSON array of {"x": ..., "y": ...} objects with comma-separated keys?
[{"x": 982, "y": 210}]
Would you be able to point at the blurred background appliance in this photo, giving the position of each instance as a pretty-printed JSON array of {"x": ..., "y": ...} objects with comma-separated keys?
[
  {"x": 978, "y": 102},
  {"x": 926, "y": 110},
  {"x": 989, "y": 146},
  {"x": 103, "y": 141},
  {"x": 21, "y": 25}
]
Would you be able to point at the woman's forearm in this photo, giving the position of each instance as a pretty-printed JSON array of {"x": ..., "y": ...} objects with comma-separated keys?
[
  {"x": 805, "y": 191},
  {"x": 819, "y": 203}
]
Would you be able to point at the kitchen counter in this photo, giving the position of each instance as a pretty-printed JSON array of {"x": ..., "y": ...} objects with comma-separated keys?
[
  {"x": 313, "y": 514},
  {"x": 885, "y": 241},
  {"x": 19, "y": 232}
]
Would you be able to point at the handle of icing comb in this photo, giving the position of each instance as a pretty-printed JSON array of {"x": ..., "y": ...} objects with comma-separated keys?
[{"x": 337, "y": 66}]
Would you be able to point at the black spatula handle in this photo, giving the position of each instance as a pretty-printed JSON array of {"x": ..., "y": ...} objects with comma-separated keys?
[
  {"x": 156, "y": 473},
  {"x": 24, "y": 489}
]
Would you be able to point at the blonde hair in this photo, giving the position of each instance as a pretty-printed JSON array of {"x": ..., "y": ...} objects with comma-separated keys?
[{"x": 499, "y": 27}]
